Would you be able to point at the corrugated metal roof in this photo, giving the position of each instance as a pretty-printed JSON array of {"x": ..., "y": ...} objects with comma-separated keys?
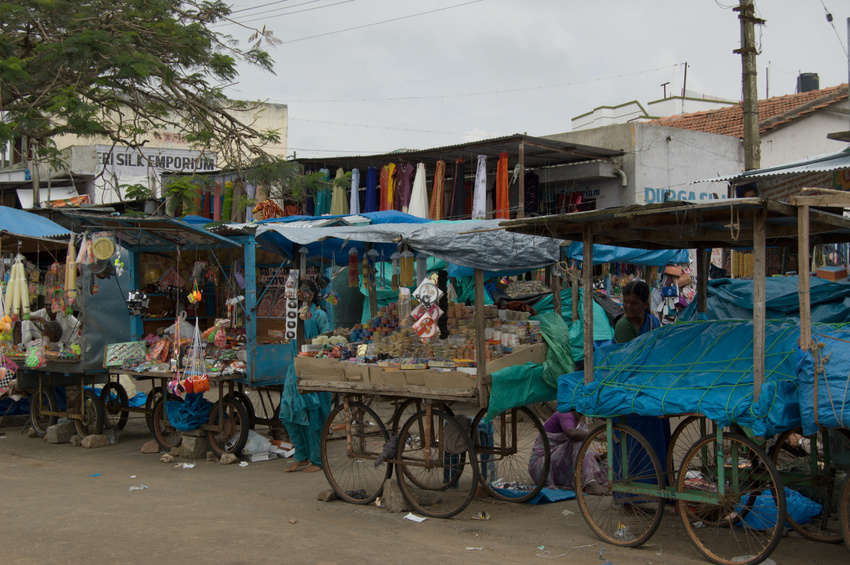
[
  {"x": 26, "y": 224},
  {"x": 819, "y": 164},
  {"x": 538, "y": 152}
]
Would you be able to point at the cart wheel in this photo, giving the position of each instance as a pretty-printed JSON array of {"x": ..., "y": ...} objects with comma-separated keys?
[
  {"x": 619, "y": 518},
  {"x": 408, "y": 408},
  {"x": 438, "y": 470},
  {"x": 114, "y": 399},
  {"x": 506, "y": 449},
  {"x": 744, "y": 524},
  {"x": 544, "y": 410},
  {"x": 150, "y": 404},
  {"x": 231, "y": 433},
  {"x": 246, "y": 402},
  {"x": 684, "y": 436},
  {"x": 844, "y": 510},
  {"x": 352, "y": 439},
  {"x": 807, "y": 466},
  {"x": 89, "y": 407},
  {"x": 44, "y": 402},
  {"x": 166, "y": 435}
]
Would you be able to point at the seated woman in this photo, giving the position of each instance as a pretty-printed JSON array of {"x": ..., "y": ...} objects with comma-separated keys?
[{"x": 566, "y": 432}]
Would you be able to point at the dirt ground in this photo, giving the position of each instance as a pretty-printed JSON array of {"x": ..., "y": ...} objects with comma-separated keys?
[{"x": 67, "y": 504}]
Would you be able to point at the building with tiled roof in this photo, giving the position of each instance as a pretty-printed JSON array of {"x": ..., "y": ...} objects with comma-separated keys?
[{"x": 791, "y": 127}]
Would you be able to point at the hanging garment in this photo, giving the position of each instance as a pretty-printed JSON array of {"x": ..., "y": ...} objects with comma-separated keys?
[
  {"x": 354, "y": 205},
  {"x": 457, "y": 204},
  {"x": 532, "y": 190},
  {"x": 419, "y": 195},
  {"x": 339, "y": 203},
  {"x": 404, "y": 187},
  {"x": 438, "y": 200},
  {"x": 387, "y": 186},
  {"x": 323, "y": 195},
  {"x": 371, "y": 204},
  {"x": 479, "y": 193},
  {"x": 503, "y": 206}
]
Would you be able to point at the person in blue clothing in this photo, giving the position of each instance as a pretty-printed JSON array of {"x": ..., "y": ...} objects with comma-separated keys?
[
  {"x": 636, "y": 321},
  {"x": 303, "y": 415}
]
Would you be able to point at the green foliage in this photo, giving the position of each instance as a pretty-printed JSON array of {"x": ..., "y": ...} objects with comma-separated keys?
[
  {"x": 183, "y": 192},
  {"x": 123, "y": 69},
  {"x": 285, "y": 179},
  {"x": 137, "y": 192}
]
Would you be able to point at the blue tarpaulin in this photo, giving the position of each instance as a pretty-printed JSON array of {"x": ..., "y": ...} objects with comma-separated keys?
[
  {"x": 704, "y": 367},
  {"x": 733, "y": 299},
  {"x": 831, "y": 386},
  {"x": 190, "y": 414},
  {"x": 21, "y": 222},
  {"x": 613, "y": 254}
]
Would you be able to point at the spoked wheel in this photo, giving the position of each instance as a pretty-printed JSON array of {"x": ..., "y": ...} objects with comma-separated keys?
[
  {"x": 844, "y": 509},
  {"x": 408, "y": 408},
  {"x": 438, "y": 469},
  {"x": 232, "y": 433},
  {"x": 166, "y": 435},
  {"x": 741, "y": 523},
  {"x": 43, "y": 401},
  {"x": 512, "y": 443},
  {"x": 115, "y": 402},
  {"x": 617, "y": 517},
  {"x": 90, "y": 409},
  {"x": 352, "y": 439},
  {"x": 684, "y": 437},
  {"x": 246, "y": 402},
  {"x": 150, "y": 403},
  {"x": 808, "y": 467}
]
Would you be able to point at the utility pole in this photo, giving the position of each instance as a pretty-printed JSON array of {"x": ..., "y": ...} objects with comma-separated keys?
[{"x": 752, "y": 148}]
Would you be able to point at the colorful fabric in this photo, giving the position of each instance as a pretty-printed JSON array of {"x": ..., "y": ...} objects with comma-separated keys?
[
  {"x": 457, "y": 204},
  {"x": 419, "y": 197},
  {"x": 503, "y": 205},
  {"x": 339, "y": 203},
  {"x": 438, "y": 192},
  {"x": 479, "y": 194},
  {"x": 372, "y": 199},
  {"x": 404, "y": 187},
  {"x": 354, "y": 204}
]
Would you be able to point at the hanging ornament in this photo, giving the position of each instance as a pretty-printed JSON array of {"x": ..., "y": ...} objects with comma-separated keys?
[
  {"x": 195, "y": 296},
  {"x": 383, "y": 272},
  {"x": 303, "y": 261},
  {"x": 421, "y": 267},
  {"x": 407, "y": 277},
  {"x": 394, "y": 282},
  {"x": 372, "y": 256},
  {"x": 353, "y": 265}
]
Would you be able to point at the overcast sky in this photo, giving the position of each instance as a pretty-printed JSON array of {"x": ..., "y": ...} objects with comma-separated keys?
[{"x": 372, "y": 76}]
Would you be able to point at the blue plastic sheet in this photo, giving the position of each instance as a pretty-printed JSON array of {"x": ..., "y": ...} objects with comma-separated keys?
[
  {"x": 613, "y": 254},
  {"x": 825, "y": 400},
  {"x": 729, "y": 299},
  {"x": 190, "y": 414},
  {"x": 704, "y": 367},
  {"x": 544, "y": 496}
]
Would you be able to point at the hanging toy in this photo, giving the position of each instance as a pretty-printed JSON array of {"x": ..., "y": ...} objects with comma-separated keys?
[
  {"x": 17, "y": 294},
  {"x": 421, "y": 267},
  {"x": 353, "y": 263},
  {"x": 383, "y": 272},
  {"x": 372, "y": 256},
  {"x": 394, "y": 282},
  {"x": 70, "y": 277},
  {"x": 195, "y": 296},
  {"x": 304, "y": 312}
]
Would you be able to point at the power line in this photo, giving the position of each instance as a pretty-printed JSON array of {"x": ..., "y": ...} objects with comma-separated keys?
[
  {"x": 263, "y": 17},
  {"x": 481, "y": 93},
  {"x": 381, "y": 22},
  {"x": 263, "y": 6},
  {"x": 829, "y": 20}
]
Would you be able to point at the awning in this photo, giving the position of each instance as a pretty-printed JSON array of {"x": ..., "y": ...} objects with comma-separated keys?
[
  {"x": 153, "y": 233},
  {"x": 27, "y": 232}
]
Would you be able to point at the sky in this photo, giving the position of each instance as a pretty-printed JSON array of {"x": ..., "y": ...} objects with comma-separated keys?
[{"x": 363, "y": 77}]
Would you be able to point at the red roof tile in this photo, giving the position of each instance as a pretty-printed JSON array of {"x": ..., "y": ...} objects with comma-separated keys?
[{"x": 773, "y": 112}]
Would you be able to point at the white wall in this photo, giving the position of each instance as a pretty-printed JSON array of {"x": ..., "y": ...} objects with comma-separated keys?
[{"x": 804, "y": 138}]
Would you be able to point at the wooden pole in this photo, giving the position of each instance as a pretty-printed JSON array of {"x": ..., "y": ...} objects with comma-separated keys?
[
  {"x": 804, "y": 276},
  {"x": 759, "y": 313},
  {"x": 587, "y": 283},
  {"x": 480, "y": 342},
  {"x": 752, "y": 148},
  {"x": 556, "y": 290},
  {"x": 703, "y": 267}
]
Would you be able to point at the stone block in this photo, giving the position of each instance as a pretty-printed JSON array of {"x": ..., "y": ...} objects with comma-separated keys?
[
  {"x": 228, "y": 459},
  {"x": 60, "y": 433},
  {"x": 193, "y": 447},
  {"x": 150, "y": 447},
  {"x": 93, "y": 441},
  {"x": 392, "y": 497}
]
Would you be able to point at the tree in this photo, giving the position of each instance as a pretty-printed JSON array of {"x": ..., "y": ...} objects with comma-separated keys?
[
  {"x": 125, "y": 69},
  {"x": 284, "y": 179}
]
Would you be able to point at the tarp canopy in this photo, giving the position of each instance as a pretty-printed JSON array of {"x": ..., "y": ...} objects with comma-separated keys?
[
  {"x": 704, "y": 367},
  {"x": 27, "y": 232},
  {"x": 825, "y": 393},
  {"x": 478, "y": 244},
  {"x": 613, "y": 254},
  {"x": 729, "y": 299}
]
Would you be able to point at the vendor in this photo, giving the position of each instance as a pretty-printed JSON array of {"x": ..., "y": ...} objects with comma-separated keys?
[
  {"x": 64, "y": 329},
  {"x": 303, "y": 415},
  {"x": 566, "y": 431},
  {"x": 636, "y": 321}
]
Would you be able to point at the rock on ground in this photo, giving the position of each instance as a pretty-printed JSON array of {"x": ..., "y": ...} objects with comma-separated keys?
[
  {"x": 228, "y": 459},
  {"x": 98, "y": 440},
  {"x": 150, "y": 447},
  {"x": 392, "y": 497},
  {"x": 193, "y": 448},
  {"x": 60, "y": 433}
]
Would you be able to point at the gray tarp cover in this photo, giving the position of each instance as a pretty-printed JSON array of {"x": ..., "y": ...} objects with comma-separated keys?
[{"x": 464, "y": 243}]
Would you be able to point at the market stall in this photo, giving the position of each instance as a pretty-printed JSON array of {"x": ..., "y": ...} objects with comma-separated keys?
[
  {"x": 429, "y": 349},
  {"x": 195, "y": 314},
  {"x": 59, "y": 320},
  {"x": 734, "y": 375}
]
